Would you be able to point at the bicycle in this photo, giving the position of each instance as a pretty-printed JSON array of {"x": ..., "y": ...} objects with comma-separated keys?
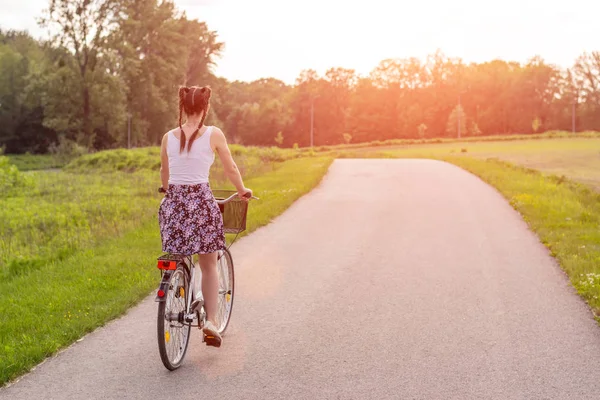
[{"x": 180, "y": 302}]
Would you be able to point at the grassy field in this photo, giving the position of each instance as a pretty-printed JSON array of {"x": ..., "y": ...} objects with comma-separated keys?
[
  {"x": 73, "y": 268},
  {"x": 29, "y": 162},
  {"x": 60, "y": 213},
  {"x": 467, "y": 139},
  {"x": 48, "y": 215},
  {"x": 575, "y": 158},
  {"x": 578, "y": 159}
]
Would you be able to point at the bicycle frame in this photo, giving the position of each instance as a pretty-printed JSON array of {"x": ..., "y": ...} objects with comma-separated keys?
[{"x": 189, "y": 313}]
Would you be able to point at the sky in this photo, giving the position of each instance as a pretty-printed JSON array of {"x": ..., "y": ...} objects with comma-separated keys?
[{"x": 280, "y": 38}]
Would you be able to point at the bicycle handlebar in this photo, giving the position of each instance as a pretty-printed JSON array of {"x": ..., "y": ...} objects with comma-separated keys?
[
  {"x": 227, "y": 200},
  {"x": 235, "y": 195}
]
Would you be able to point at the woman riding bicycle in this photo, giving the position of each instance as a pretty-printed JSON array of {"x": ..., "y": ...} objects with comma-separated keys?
[{"x": 189, "y": 217}]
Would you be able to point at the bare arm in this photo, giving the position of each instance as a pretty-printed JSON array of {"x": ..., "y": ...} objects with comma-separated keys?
[
  {"x": 164, "y": 163},
  {"x": 219, "y": 144}
]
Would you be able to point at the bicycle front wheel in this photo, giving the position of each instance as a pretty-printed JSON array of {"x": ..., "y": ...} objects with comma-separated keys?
[
  {"x": 226, "y": 290},
  {"x": 173, "y": 332}
]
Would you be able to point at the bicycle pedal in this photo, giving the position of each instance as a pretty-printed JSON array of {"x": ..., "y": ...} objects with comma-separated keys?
[{"x": 212, "y": 341}]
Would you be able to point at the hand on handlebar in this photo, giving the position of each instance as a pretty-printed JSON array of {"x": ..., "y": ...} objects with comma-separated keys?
[{"x": 245, "y": 194}]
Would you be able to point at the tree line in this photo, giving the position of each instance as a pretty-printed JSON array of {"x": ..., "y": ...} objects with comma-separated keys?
[{"x": 109, "y": 75}]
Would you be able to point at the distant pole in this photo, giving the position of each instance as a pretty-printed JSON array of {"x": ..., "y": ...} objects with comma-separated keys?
[
  {"x": 573, "y": 112},
  {"x": 458, "y": 116},
  {"x": 128, "y": 131},
  {"x": 312, "y": 119}
]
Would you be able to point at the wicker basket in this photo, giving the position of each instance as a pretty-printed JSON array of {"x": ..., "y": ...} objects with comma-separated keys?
[{"x": 234, "y": 212}]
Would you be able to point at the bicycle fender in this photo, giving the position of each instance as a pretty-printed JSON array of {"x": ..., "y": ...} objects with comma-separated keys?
[{"x": 164, "y": 286}]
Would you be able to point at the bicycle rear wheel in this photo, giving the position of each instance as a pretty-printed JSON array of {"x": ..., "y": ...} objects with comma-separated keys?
[
  {"x": 173, "y": 332},
  {"x": 226, "y": 290}
]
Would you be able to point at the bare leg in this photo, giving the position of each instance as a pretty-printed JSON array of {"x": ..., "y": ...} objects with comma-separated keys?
[{"x": 210, "y": 284}]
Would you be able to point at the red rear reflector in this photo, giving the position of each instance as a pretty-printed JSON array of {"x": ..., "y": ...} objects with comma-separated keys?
[
  {"x": 161, "y": 293},
  {"x": 167, "y": 265}
]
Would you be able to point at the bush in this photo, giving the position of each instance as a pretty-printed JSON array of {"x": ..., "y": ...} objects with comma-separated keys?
[
  {"x": 118, "y": 160},
  {"x": 271, "y": 154},
  {"x": 475, "y": 131},
  {"x": 536, "y": 125},
  {"x": 279, "y": 139},
  {"x": 11, "y": 178},
  {"x": 66, "y": 150}
]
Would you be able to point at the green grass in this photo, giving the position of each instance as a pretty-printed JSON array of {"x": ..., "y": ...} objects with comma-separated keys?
[
  {"x": 578, "y": 159},
  {"x": 45, "y": 309},
  {"x": 148, "y": 158},
  {"x": 564, "y": 214},
  {"x": 49, "y": 215},
  {"x": 467, "y": 139},
  {"x": 31, "y": 162},
  {"x": 60, "y": 213}
]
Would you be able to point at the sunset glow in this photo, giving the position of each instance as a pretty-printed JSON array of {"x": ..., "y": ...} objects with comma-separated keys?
[
  {"x": 277, "y": 38},
  {"x": 281, "y": 38}
]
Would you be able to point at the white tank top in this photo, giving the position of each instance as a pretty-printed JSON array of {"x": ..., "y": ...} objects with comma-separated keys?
[{"x": 190, "y": 168}]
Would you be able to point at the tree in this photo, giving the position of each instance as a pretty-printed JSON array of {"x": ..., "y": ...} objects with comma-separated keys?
[
  {"x": 147, "y": 44},
  {"x": 61, "y": 99},
  {"x": 586, "y": 73},
  {"x": 474, "y": 129},
  {"x": 347, "y": 138},
  {"x": 13, "y": 69},
  {"x": 422, "y": 131},
  {"x": 279, "y": 138},
  {"x": 21, "y": 108},
  {"x": 335, "y": 91},
  {"x": 203, "y": 48},
  {"x": 536, "y": 124},
  {"x": 367, "y": 119},
  {"x": 83, "y": 26},
  {"x": 457, "y": 118}
]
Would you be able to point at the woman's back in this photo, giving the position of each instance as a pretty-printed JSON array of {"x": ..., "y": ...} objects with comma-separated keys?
[{"x": 193, "y": 167}]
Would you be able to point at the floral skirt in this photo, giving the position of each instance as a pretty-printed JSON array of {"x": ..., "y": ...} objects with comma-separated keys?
[{"x": 190, "y": 220}]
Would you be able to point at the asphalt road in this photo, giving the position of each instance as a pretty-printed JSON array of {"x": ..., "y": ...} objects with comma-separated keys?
[{"x": 394, "y": 279}]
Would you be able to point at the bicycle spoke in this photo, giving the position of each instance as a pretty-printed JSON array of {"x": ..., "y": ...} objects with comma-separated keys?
[
  {"x": 175, "y": 333},
  {"x": 225, "y": 292}
]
